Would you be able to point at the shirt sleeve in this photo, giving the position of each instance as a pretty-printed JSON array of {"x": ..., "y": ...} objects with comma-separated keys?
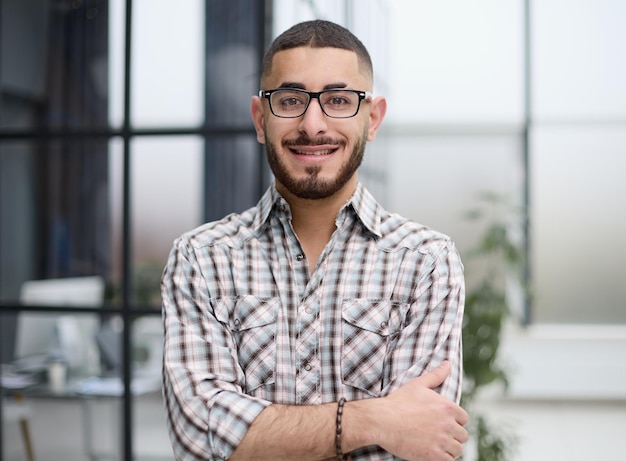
[
  {"x": 433, "y": 327},
  {"x": 207, "y": 412}
]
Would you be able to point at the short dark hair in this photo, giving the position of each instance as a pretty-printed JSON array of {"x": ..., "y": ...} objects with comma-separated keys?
[{"x": 317, "y": 34}]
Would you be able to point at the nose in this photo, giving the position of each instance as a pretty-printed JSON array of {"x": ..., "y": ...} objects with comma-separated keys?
[{"x": 313, "y": 121}]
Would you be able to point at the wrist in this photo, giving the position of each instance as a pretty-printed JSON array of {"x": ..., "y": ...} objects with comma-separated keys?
[
  {"x": 338, "y": 430},
  {"x": 360, "y": 424}
]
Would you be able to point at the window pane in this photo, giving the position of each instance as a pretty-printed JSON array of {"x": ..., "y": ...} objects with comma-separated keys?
[
  {"x": 18, "y": 252},
  {"x": 457, "y": 62},
  {"x": 53, "y": 64},
  {"x": 442, "y": 194},
  {"x": 167, "y": 86},
  {"x": 54, "y": 212},
  {"x": 166, "y": 177},
  {"x": 232, "y": 60},
  {"x": 117, "y": 48},
  {"x": 579, "y": 75},
  {"x": 578, "y": 224}
]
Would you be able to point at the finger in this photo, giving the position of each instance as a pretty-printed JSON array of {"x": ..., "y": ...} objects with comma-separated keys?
[
  {"x": 462, "y": 417},
  {"x": 460, "y": 434},
  {"x": 454, "y": 449},
  {"x": 437, "y": 376}
]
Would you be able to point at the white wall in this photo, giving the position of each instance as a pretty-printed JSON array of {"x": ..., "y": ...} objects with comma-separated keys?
[{"x": 561, "y": 430}]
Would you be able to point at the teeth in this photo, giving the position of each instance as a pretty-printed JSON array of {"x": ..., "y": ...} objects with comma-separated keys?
[{"x": 320, "y": 152}]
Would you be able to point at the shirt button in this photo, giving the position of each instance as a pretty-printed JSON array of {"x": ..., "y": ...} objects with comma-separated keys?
[
  {"x": 237, "y": 323},
  {"x": 299, "y": 257},
  {"x": 307, "y": 367},
  {"x": 383, "y": 325},
  {"x": 308, "y": 310}
]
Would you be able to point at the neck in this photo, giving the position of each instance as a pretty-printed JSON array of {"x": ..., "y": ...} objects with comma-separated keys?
[
  {"x": 317, "y": 212},
  {"x": 313, "y": 221}
]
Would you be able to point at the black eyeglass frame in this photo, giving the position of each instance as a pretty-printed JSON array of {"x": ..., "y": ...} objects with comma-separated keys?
[{"x": 266, "y": 94}]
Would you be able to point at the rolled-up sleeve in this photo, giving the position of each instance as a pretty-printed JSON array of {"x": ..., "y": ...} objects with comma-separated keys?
[
  {"x": 446, "y": 304},
  {"x": 434, "y": 322},
  {"x": 208, "y": 414}
]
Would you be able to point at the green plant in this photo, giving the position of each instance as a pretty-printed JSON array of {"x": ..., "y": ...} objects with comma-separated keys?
[{"x": 496, "y": 257}]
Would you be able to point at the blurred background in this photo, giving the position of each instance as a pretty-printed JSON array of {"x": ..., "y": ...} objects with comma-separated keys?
[{"x": 125, "y": 123}]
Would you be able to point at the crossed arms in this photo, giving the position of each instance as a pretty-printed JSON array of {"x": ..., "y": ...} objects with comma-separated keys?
[{"x": 413, "y": 423}]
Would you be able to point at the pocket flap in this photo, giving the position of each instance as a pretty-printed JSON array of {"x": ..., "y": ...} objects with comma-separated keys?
[
  {"x": 245, "y": 312},
  {"x": 380, "y": 316}
]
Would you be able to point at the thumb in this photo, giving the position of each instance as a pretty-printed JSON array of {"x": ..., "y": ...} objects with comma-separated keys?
[{"x": 437, "y": 376}]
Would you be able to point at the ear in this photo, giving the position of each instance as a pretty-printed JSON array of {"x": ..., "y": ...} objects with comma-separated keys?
[
  {"x": 378, "y": 108},
  {"x": 258, "y": 116}
]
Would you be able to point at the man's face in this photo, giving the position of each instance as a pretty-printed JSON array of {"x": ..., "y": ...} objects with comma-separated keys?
[{"x": 315, "y": 156}]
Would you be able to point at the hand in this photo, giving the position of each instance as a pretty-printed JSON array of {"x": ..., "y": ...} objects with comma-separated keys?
[{"x": 419, "y": 424}]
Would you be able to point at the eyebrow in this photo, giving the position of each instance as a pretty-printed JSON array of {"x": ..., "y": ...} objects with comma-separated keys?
[{"x": 300, "y": 86}]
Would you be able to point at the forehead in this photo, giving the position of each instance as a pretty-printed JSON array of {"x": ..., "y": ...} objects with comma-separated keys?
[{"x": 316, "y": 68}]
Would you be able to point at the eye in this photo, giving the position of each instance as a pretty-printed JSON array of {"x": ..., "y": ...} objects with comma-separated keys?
[
  {"x": 290, "y": 100},
  {"x": 338, "y": 100}
]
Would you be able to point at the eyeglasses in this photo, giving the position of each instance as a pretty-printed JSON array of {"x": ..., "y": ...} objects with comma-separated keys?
[{"x": 293, "y": 102}]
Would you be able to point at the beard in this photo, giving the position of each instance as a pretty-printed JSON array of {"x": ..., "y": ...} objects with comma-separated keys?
[{"x": 312, "y": 186}]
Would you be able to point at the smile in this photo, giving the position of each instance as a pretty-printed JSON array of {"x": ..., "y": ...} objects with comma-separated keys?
[{"x": 314, "y": 152}]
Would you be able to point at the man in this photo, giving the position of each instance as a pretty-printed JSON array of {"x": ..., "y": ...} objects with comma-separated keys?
[{"x": 316, "y": 324}]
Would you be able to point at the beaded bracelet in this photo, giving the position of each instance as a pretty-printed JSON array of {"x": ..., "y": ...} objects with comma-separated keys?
[{"x": 340, "y": 455}]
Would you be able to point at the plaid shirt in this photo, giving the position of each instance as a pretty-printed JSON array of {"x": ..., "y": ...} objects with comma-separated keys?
[{"x": 247, "y": 324}]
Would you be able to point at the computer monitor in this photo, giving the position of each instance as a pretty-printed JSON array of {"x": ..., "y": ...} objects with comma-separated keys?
[{"x": 71, "y": 335}]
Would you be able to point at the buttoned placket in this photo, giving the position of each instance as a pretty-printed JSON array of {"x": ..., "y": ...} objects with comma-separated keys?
[
  {"x": 309, "y": 331},
  {"x": 294, "y": 276},
  {"x": 306, "y": 337},
  {"x": 307, "y": 356}
]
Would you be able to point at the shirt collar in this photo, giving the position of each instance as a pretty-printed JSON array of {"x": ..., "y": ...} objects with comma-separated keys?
[
  {"x": 367, "y": 209},
  {"x": 270, "y": 198}
]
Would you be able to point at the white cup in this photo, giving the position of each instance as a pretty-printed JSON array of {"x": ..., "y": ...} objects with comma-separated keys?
[{"x": 56, "y": 376}]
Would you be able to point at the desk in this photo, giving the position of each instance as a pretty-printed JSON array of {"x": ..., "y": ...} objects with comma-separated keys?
[{"x": 94, "y": 418}]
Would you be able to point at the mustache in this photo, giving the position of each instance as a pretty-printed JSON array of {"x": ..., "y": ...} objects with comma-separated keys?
[{"x": 307, "y": 141}]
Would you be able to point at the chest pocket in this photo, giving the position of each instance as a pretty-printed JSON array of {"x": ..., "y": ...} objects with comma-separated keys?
[
  {"x": 370, "y": 329},
  {"x": 252, "y": 322}
]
